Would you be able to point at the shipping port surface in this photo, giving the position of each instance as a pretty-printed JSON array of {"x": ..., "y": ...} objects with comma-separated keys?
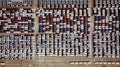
[{"x": 59, "y": 33}]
